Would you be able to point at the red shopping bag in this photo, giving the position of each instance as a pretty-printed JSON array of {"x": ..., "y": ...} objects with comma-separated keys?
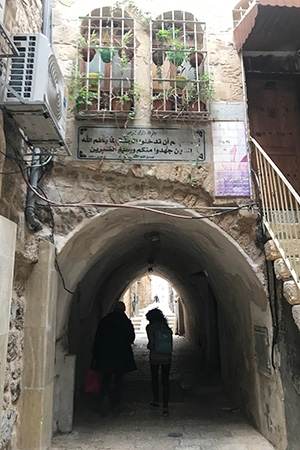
[{"x": 92, "y": 382}]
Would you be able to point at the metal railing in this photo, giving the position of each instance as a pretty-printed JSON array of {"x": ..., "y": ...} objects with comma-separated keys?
[
  {"x": 239, "y": 12},
  {"x": 280, "y": 209}
]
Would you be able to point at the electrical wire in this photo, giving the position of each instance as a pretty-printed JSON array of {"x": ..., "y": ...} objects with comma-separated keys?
[
  {"x": 135, "y": 207},
  {"x": 7, "y": 155},
  {"x": 62, "y": 277}
]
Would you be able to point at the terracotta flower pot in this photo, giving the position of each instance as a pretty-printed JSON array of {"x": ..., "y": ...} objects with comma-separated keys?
[
  {"x": 127, "y": 52},
  {"x": 159, "y": 104},
  {"x": 88, "y": 54},
  {"x": 119, "y": 105},
  {"x": 194, "y": 106},
  {"x": 158, "y": 57},
  {"x": 195, "y": 59}
]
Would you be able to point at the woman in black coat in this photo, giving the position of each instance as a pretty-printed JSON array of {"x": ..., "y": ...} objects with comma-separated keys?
[{"x": 112, "y": 351}]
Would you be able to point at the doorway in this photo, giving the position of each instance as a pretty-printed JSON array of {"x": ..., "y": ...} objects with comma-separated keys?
[{"x": 274, "y": 118}]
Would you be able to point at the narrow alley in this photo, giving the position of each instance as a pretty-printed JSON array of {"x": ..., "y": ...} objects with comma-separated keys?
[{"x": 201, "y": 416}]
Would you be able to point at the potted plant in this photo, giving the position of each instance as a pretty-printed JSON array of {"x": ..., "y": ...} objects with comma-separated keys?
[
  {"x": 93, "y": 79},
  {"x": 84, "y": 90},
  {"x": 163, "y": 38},
  {"x": 178, "y": 50},
  {"x": 179, "y": 82},
  {"x": 201, "y": 90},
  {"x": 195, "y": 58},
  {"x": 125, "y": 51},
  {"x": 124, "y": 101},
  {"x": 163, "y": 101},
  {"x": 121, "y": 102},
  {"x": 206, "y": 81},
  {"x": 84, "y": 99},
  {"x": 87, "y": 46}
]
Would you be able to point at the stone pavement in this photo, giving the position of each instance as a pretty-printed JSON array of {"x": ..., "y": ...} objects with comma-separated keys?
[{"x": 201, "y": 416}]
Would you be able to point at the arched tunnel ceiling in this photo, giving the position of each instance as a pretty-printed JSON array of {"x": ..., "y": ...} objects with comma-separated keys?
[{"x": 113, "y": 246}]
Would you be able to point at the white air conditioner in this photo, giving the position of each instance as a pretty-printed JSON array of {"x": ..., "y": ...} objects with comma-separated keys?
[{"x": 40, "y": 106}]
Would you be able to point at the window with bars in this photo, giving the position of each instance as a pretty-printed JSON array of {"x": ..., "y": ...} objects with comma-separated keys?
[
  {"x": 181, "y": 84},
  {"x": 105, "y": 72}
]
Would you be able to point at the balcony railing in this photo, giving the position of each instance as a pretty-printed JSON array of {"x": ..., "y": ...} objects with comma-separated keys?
[{"x": 280, "y": 209}]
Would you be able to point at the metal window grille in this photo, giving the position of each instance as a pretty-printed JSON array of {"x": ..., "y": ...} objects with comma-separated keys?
[
  {"x": 106, "y": 50},
  {"x": 180, "y": 78}
]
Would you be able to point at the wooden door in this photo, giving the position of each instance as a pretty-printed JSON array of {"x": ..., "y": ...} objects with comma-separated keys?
[{"x": 274, "y": 123}]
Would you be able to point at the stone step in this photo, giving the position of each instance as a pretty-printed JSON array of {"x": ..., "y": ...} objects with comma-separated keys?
[{"x": 140, "y": 322}]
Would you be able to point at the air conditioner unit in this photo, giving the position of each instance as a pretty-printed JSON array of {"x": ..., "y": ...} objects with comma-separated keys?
[{"x": 40, "y": 106}]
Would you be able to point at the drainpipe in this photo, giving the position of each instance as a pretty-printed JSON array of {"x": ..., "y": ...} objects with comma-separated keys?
[
  {"x": 32, "y": 222},
  {"x": 47, "y": 19}
]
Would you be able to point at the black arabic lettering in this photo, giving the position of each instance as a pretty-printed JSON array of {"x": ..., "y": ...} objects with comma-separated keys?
[{"x": 87, "y": 139}]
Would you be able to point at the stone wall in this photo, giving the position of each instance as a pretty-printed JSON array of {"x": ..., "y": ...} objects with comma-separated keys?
[
  {"x": 12, "y": 386},
  {"x": 19, "y": 17},
  {"x": 144, "y": 293},
  {"x": 95, "y": 184}
]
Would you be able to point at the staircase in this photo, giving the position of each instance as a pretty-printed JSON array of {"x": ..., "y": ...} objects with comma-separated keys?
[
  {"x": 140, "y": 322},
  {"x": 280, "y": 208}
]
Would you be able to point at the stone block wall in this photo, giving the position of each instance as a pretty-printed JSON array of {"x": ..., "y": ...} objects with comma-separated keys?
[{"x": 19, "y": 17}]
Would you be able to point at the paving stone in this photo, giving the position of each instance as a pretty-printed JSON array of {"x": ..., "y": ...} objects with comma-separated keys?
[{"x": 197, "y": 420}]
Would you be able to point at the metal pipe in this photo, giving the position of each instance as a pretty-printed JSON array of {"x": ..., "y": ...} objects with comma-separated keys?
[
  {"x": 47, "y": 19},
  {"x": 32, "y": 222}
]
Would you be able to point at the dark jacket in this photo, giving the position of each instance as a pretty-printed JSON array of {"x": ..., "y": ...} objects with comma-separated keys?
[{"x": 112, "y": 345}]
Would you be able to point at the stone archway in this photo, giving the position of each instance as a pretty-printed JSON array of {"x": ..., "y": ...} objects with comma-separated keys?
[{"x": 105, "y": 253}]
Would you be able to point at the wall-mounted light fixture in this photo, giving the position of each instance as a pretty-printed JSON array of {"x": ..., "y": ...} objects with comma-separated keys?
[{"x": 153, "y": 236}]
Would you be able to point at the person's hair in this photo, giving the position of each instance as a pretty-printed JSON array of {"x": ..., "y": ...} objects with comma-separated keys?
[
  {"x": 156, "y": 315},
  {"x": 119, "y": 307}
]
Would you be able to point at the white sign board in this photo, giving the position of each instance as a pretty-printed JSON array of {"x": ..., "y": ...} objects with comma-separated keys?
[{"x": 140, "y": 144}]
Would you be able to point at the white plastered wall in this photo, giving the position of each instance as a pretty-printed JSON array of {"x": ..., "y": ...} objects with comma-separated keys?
[{"x": 7, "y": 252}]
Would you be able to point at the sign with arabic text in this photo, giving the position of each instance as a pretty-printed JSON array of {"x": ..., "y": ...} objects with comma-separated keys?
[{"x": 140, "y": 144}]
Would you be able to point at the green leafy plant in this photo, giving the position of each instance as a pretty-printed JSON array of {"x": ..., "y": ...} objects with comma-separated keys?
[
  {"x": 127, "y": 99},
  {"x": 206, "y": 82},
  {"x": 178, "y": 50},
  {"x": 83, "y": 90},
  {"x": 125, "y": 52},
  {"x": 88, "y": 46},
  {"x": 165, "y": 100},
  {"x": 163, "y": 37},
  {"x": 167, "y": 94},
  {"x": 92, "y": 41},
  {"x": 82, "y": 98}
]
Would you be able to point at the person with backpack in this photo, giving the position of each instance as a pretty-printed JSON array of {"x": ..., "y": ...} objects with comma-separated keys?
[
  {"x": 160, "y": 344},
  {"x": 112, "y": 352}
]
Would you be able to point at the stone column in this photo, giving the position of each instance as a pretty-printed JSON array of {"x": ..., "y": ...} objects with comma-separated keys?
[
  {"x": 7, "y": 252},
  {"x": 38, "y": 356}
]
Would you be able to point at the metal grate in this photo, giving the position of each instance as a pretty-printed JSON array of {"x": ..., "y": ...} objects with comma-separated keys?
[
  {"x": 106, "y": 63},
  {"x": 262, "y": 349},
  {"x": 181, "y": 85},
  {"x": 7, "y": 46},
  {"x": 22, "y": 67}
]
